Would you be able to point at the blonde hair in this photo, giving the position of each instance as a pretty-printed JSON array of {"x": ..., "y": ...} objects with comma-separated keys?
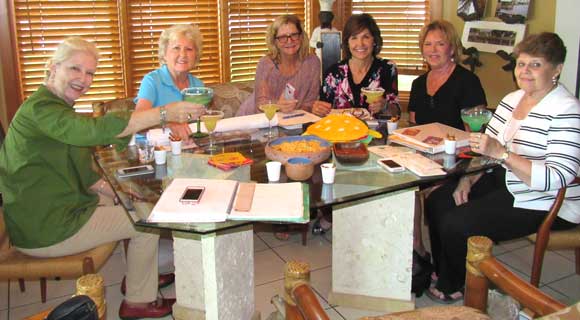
[
  {"x": 66, "y": 49},
  {"x": 449, "y": 33},
  {"x": 191, "y": 32},
  {"x": 273, "y": 51}
]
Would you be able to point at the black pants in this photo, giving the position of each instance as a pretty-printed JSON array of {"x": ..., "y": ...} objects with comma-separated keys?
[{"x": 489, "y": 212}]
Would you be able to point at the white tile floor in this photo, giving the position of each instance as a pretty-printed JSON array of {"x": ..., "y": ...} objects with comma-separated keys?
[{"x": 558, "y": 277}]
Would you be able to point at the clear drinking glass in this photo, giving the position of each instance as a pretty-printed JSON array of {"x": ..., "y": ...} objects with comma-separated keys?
[
  {"x": 476, "y": 118},
  {"x": 210, "y": 120},
  {"x": 269, "y": 110},
  {"x": 198, "y": 95}
]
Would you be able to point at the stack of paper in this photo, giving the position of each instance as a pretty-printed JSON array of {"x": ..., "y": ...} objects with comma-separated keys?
[
  {"x": 270, "y": 202},
  {"x": 296, "y": 119},
  {"x": 429, "y": 137},
  {"x": 254, "y": 121}
]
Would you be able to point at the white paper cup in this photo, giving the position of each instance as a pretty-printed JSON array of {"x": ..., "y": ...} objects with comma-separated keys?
[
  {"x": 392, "y": 126},
  {"x": 450, "y": 146},
  {"x": 327, "y": 192},
  {"x": 160, "y": 156},
  {"x": 175, "y": 147},
  {"x": 273, "y": 170},
  {"x": 328, "y": 171}
]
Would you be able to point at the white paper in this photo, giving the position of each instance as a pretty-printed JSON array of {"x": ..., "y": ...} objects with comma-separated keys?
[
  {"x": 213, "y": 206},
  {"x": 419, "y": 164},
  {"x": 253, "y": 121},
  {"x": 296, "y": 117},
  {"x": 274, "y": 201},
  {"x": 425, "y": 131}
]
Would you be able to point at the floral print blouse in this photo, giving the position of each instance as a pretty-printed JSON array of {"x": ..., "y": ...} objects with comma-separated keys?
[{"x": 339, "y": 89}]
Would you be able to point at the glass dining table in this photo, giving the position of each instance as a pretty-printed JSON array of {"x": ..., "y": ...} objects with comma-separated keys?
[{"x": 372, "y": 209}]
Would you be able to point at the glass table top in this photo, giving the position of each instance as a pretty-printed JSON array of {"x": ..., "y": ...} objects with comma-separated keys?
[{"x": 352, "y": 182}]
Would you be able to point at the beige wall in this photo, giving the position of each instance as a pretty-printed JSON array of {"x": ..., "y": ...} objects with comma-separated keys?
[{"x": 497, "y": 82}]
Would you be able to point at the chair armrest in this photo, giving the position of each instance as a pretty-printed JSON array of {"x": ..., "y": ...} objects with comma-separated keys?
[{"x": 482, "y": 268}]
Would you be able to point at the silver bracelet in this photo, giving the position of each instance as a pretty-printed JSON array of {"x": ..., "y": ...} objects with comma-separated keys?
[{"x": 162, "y": 116}]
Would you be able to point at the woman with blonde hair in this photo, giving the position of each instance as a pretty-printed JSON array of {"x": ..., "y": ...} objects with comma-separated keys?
[
  {"x": 47, "y": 157},
  {"x": 180, "y": 49},
  {"x": 287, "y": 67}
]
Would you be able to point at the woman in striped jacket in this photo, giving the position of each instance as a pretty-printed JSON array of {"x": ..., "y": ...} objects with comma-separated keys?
[{"x": 535, "y": 134}]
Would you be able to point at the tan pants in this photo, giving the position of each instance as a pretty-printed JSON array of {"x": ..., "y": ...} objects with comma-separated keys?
[{"x": 111, "y": 223}]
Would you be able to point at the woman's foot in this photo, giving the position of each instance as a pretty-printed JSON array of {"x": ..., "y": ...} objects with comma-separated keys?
[
  {"x": 443, "y": 298},
  {"x": 282, "y": 236},
  {"x": 156, "y": 309},
  {"x": 321, "y": 226}
]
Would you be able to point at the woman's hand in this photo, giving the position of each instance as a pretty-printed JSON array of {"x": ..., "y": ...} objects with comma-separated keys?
[
  {"x": 183, "y": 111},
  {"x": 377, "y": 106},
  {"x": 461, "y": 193},
  {"x": 287, "y": 106},
  {"x": 180, "y": 130},
  {"x": 321, "y": 108},
  {"x": 485, "y": 145}
]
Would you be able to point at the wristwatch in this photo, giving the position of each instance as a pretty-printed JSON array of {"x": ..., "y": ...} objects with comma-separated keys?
[
  {"x": 162, "y": 116},
  {"x": 504, "y": 156}
]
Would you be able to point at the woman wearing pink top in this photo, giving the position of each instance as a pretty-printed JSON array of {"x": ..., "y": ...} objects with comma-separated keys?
[{"x": 288, "y": 66}]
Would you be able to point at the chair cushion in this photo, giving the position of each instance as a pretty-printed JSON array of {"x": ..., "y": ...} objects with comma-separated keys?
[
  {"x": 435, "y": 313},
  {"x": 228, "y": 97}
]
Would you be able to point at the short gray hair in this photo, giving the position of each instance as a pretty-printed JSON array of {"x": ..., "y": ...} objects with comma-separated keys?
[
  {"x": 66, "y": 49},
  {"x": 188, "y": 31}
]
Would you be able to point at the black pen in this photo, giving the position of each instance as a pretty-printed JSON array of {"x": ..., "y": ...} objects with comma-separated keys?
[{"x": 294, "y": 116}]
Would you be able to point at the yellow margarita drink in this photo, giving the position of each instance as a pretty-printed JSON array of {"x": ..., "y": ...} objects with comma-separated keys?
[
  {"x": 210, "y": 122},
  {"x": 373, "y": 94},
  {"x": 269, "y": 110}
]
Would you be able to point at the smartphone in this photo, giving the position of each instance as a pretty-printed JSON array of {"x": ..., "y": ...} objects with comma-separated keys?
[
  {"x": 192, "y": 195},
  {"x": 289, "y": 92},
  {"x": 135, "y": 171},
  {"x": 391, "y": 165}
]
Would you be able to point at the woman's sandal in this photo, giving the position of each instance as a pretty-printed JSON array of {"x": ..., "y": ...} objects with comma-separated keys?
[
  {"x": 446, "y": 299},
  {"x": 282, "y": 236},
  {"x": 318, "y": 228}
]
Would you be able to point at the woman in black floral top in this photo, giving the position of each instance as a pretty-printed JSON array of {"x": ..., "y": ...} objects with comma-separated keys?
[{"x": 342, "y": 83}]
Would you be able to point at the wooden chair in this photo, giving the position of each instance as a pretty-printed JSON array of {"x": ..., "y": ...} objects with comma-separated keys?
[
  {"x": 546, "y": 238},
  {"x": 482, "y": 268},
  {"x": 15, "y": 265}
]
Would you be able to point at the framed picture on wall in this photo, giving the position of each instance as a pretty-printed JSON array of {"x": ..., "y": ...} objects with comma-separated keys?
[
  {"x": 489, "y": 36},
  {"x": 512, "y": 11},
  {"x": 470, "y": 10}
]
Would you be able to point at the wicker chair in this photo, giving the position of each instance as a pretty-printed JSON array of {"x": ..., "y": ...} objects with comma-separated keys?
[
  {"x": 546, "y": 238},
  {"x": 15, "y": 265},
  {"x": 482, "y": 268}
]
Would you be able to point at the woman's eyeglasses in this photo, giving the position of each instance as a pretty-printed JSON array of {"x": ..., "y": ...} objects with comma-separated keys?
[{"x": 283, "y": 39}]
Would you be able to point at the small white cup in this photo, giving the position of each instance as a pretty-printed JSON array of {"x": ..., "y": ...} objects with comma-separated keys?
[
  {"x": 160, "y": 156},
  {"x": 273, "y": 170},
  {"x": 327, "y": 192},
  {"x": 392, "y": 126},
  {"x": 450, "y": 146},
  {"x": 328, "y": 171},
  {"x": 175, "y": 147}
]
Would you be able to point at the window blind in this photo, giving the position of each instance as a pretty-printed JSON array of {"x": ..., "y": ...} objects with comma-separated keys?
[
  {"x": 148, "y": 18},
  {"x": 247, "y": 21},
  {"x": 42, "y": 25},
  {"x": 400, "y": 23}
]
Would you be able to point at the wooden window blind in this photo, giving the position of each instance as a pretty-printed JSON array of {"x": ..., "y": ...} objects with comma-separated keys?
[
  {"x": 247, "y": 21},
  {"x": 42, "y": 25},
  {"x": 400, "y": 23},
  {"x": 148, "y": 18}
]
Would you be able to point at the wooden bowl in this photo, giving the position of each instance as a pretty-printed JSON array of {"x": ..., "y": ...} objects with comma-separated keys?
[
  {"x": 316, "y": 157},
  {"x": 299, "y": 169}
]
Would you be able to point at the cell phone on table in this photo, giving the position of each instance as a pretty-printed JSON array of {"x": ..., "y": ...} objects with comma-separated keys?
[
  {"x": 391, "y": 165},
  {"x": 135, "y": 171},
  {"x": 192, "y": 195}
]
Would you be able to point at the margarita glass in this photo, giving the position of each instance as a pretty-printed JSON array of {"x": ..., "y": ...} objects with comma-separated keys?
[
  {"x": 198, "y": 95},
  {"x": 476, "y": 118},
  {"x": 210, "y": 120},
  {"x": 373, "y": 94},
  {"x": 269, "y": 110}
]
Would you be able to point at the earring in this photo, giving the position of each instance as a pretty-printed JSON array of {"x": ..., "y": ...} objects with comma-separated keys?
[{"x": 554, "y": 80}]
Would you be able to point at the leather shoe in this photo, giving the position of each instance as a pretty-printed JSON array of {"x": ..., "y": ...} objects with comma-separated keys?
[
  {"x": 156, "y": 309},
  {"x": 164, "y": 281}
]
